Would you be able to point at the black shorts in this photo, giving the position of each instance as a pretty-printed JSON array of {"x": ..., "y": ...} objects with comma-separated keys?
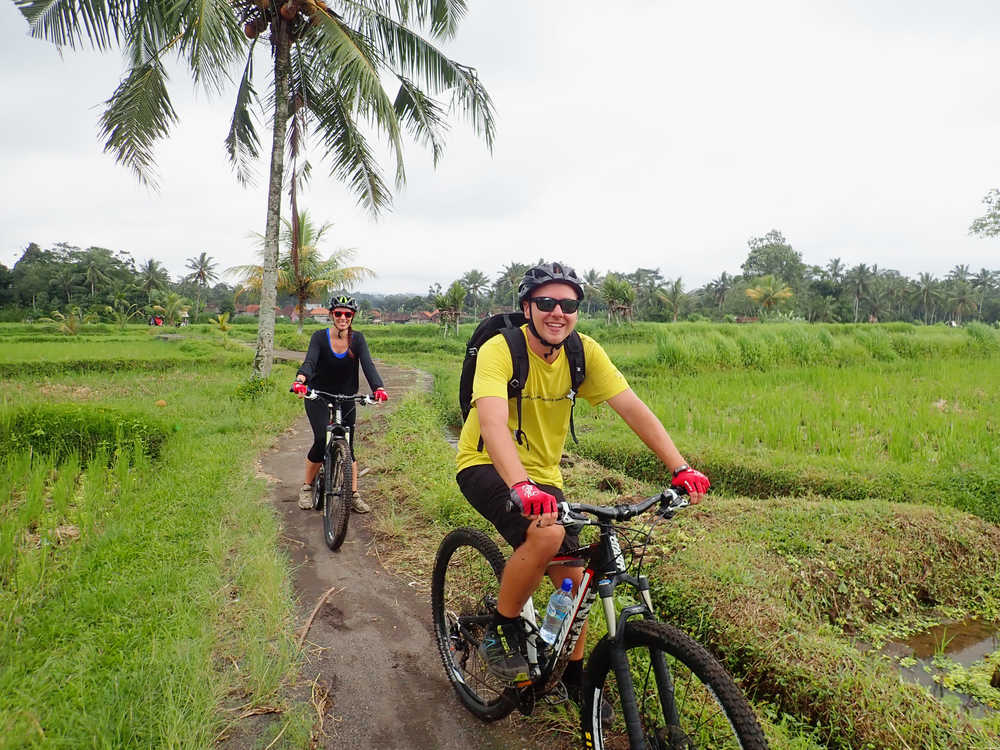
[{"x": 489, "y": 494}]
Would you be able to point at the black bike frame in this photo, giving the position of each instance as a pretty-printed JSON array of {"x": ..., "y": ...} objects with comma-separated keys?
[{"x": 605, "y": 564}]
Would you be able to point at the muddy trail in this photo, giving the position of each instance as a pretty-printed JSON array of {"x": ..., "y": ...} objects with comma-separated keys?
[{"x": 370, "y": 648}]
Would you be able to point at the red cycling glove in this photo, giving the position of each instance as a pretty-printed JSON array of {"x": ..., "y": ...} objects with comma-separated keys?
[
  {"x": 380, "y": 395},
  {"x": 300, "y": 388},
  {"x": 690, "y": 479},
  {"x": 531, "y": 500}
]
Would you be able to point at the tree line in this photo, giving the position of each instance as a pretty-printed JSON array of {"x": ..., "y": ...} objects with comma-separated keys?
[{"x": 773, "y": 282}]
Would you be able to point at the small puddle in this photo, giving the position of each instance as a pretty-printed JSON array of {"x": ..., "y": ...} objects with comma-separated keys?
[
  {"x": 966, "y": 643},
  {"x": 451, "y": 434}
]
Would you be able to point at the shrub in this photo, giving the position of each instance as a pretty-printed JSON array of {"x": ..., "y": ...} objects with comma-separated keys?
[{"x": 254, "y": 388}]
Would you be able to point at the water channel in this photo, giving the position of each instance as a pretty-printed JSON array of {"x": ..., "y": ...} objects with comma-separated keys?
[{"x": 965, "y": 642}]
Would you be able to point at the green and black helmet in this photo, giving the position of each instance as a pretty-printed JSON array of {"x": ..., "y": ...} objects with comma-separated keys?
[{"x": 343, "y": 299}]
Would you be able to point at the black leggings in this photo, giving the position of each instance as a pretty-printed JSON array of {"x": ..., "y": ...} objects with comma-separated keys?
[{"x": 319, "y": 417}]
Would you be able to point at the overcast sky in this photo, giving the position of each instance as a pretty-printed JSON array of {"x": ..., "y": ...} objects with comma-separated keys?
[{"x": 653, "y": 134}]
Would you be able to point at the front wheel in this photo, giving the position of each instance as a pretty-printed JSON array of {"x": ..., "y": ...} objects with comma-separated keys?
[
  {"x": 319, "y": 490},
  {"x": 683, "y": 696},
  {"x": 337, "y": 502},
  {"x": 464, "y": 588}
]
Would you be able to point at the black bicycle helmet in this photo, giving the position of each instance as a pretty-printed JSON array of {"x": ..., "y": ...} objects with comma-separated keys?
[
  {"x": 343, "y": 299},
  {"x": 545, "y": 274}
]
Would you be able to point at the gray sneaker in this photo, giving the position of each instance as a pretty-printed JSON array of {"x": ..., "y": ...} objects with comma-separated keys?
[
  {"x": 501, "y": 654},
  {"x": 358, "y": 505},
  {"x": 306, "y": 497}
]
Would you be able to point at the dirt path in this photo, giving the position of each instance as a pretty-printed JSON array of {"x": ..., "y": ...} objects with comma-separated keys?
[{"x": 371, "y": 644}]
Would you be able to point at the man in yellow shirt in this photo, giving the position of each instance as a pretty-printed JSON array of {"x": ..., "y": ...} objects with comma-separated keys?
[{"x": 524, "y": 475}]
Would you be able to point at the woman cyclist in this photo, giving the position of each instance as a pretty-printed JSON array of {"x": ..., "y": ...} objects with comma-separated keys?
[{"x": 331, "y": 365}]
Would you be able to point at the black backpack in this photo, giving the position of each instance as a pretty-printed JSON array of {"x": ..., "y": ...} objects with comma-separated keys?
[{"x": 509, "y": 325}]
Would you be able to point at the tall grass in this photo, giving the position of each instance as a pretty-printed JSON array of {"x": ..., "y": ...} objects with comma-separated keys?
[
  {"x": 707, "y": 347},
  {"x": 140, "y": 596}
]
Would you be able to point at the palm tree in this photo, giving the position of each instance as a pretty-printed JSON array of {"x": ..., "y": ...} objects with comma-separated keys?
[
  {"x": 152, "y": 278},
  {"x": 672, "y": 296},
  {"x": 959, "y": 273},
  {"x": 619, "y": 296},
  {"x": 329, "y": 61},
  {"x": 450, "y": 304},
  {"x": 961, "y": 300},
  {"x": 719, "y": 288},
  {"x": 983, "y": 282},
  {"x": 821, "y": 309},
  {"x": 859, "y": 280},
  {"x": 71, "y": 322},
  {"x": 305, "y": 274},
  {"x": 769, "y": 292},
  {"x": 509, "y": 279},
  {"x": 202, "y": 271},
  {"x": 64, "y": 279},
  {"x": 835, "y": 271},
  {"x": 925, "y": 290},
  {"x": 93, "y": 274},
  {"x": 475, "y": 282},
  {"x": 592, "y": 279}
]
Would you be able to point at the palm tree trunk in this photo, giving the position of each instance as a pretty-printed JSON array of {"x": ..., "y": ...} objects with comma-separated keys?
[
  {"x": 264, "y": 357},
  {"x": 302, "y": 309}
]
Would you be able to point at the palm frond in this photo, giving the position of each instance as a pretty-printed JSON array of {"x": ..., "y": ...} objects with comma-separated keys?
[
  {"x": 71, "y": 22},
  {"x": 345, "y": 145},
  {"x": 346, "y": 59},
  {"x": 137, "y": 115},
  {"x": 211, "y": 38},
  {"x": 242, "y": 142},
  {"x": 442, "y": 16},
  {"x": 412, "y": 57},
  {"x": 422, "y": 116}
]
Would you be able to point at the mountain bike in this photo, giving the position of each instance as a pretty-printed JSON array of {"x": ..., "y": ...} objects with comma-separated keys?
[
  {"x": 332, "y": 489},
  {"x": 672, "y": 692}
]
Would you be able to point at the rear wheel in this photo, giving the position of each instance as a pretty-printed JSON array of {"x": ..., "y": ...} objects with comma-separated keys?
[
  {"x": 685, "y": 699},
  {"x": 337, "y": 502},
  {"x": 464, "y": 588}
]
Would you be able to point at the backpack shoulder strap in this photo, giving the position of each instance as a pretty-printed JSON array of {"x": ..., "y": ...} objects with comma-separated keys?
[
  {"x": 577, "y": 362},
  {"x": 519, "y": 358},
  {"x": 577, "y": 372}
]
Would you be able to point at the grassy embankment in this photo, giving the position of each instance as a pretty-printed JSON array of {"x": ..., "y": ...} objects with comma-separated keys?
[
  {"x": 790, "y": 592},
  {"x": 143, "y": 599}
]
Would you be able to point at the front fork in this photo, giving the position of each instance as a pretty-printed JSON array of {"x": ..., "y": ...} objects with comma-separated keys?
[{"x": 620, "y": 664}]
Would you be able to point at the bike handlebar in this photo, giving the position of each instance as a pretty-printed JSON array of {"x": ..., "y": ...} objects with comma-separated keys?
[
  {"x": 669, "y": 500},
  {"x": 313, "y": 393}
]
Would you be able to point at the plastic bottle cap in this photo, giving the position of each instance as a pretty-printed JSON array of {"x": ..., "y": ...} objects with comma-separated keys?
[{"x": 567, "y": 584}]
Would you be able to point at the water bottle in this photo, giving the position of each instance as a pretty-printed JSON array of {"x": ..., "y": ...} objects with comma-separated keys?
[{"x": 560, "y": 605}]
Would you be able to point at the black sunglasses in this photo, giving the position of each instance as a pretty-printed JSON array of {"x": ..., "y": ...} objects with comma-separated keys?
[
  {"x": 343, "y": 314},
  {"x": 548, "y": 304}
]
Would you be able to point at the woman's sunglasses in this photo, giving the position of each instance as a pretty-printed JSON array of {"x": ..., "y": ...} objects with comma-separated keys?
[
  {"x": 343, "y": 314},
  {"x": 548, "y": 304}
]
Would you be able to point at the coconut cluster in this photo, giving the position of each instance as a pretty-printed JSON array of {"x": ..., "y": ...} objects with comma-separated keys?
[{"x": 261, "y": 14}]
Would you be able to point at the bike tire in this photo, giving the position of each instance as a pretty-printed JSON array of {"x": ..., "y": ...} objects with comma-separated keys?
[
  {"x": 319, "y": 488},
  {"x": 465, "y": 582},
  {"x": 337, "y": 503},
  {"x": 710, "y": 709}
]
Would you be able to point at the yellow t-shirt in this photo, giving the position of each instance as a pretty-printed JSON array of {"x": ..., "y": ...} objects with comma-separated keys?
[{"x": 545, "y": 406}]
